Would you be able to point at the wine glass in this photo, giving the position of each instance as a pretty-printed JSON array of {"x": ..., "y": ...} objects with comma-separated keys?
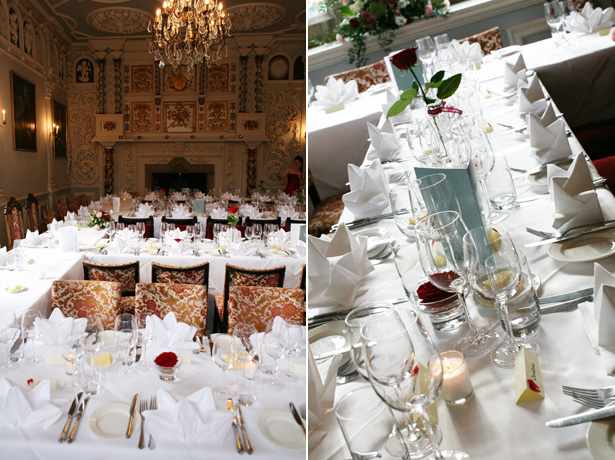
[
  {"x": 293, "y": 338},
  {"x": 72, "y": 351},
  {"x": 440, "y": 244},
  {"x": 126, "y": 335},
  {"x": 146, "y": 334},
  {"x": 9, "y": 333},
  {"x": 426, "y": 53},
  {"x": 29, "y": 328},
  {"x": 436, "y": 193},
  {"x": 258, "y": 231},
  {"x": 224, "y": 357},
  {"x": 198, "y": 231},
  {"x": 140, "y": 227},
  {"x": 249, "y": 233},
  {"x": 555, "y": 19},
  {"x": 218, "y": 228},
  {"x": 272, "y": 350},
  {"x": 402, "y": 209},
  {"x": 242, "y": 333},
  {"x": 399, "y": 353}
]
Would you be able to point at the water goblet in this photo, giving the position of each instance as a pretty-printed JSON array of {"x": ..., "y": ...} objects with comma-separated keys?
[
  {"x": 126, "y": 336},
  {"x": 198, "y": 231},
  {"x": 433, "y": 193},
  {"x": 146, "y": 334},
  {"x": 224, "y": 357},
  {"x": 30, "y": 333},
  {"x": 72, "y": 351},
  {"x": 426, "y": 53},
  {"x": 257, "y": 229},
  {"x": 272, "y": 350},
  {"x": 9, "y": 333}
]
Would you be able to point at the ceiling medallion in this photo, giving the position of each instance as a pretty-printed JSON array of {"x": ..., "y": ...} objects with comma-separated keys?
[
  {"x": 255, "y": 16},
  {"x": 118, "y": 20}
]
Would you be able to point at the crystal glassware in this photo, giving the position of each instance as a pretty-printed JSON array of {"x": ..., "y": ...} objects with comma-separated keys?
[
  {"x": 224, "y": 357},
  {"x": 126, "y": 336},
  {"x": 30, "y": 332}
]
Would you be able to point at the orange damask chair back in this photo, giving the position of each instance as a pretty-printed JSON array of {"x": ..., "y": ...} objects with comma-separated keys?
[
  {"x": 489, "y": 40},
  {"x": 239, "y": 276},
  {"x": 33, "y": 213},
  {"x": 79, "y": 299},
  {"x": 125, "y": 274},
  {"x": 73, "y": 205},
  {"x": 192, "y": 274},
  {"x": 187, "y": 301},
  {"x": 49, "y": 214},
  {"x": 259, "y": 305},
  {"x": 14, "y": 221},
  {"x": 366, "y": 76},
  {"x": 62, "y": 209},
  {"x": 83, "y": 200}
]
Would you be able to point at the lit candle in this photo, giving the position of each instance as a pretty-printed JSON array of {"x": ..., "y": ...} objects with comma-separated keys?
[
  {"x": 249, "y": 369},
  {"x": 456, "y": 387},
  {"x": 3, "y": 117}
]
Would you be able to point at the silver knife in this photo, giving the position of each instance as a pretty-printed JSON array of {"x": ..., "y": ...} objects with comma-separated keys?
[
  {"x": 543, "y": 168},
  {"x": 133, "y": 410},
  {"x": 598, "y": 414},
  {"x": 342, "y": 313},
  {"x": 572, "y": 235},
  {"x": 246, "y": 441},
  {"x": 293, "y": 411},
  {"x": 237, "y": 436},
  {"x": 71, "y": 413},
  {"x": 564, "y": 306},
  {"x": 568, "y": 296},
  {"x": 78, "y": 416}
]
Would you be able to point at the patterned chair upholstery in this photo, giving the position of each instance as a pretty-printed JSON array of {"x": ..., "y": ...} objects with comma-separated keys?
[
  {"x": 49, "y": 214},
  {"x": 187, "y": 301},
  {"x": 125, "y": 274},
  {"x": 83, "y": 200},
  {"x": 489, "y": 40},
  {"x": 302, "y": 280},
  {"x": 73, "y": 205},
  {"x": 62, "y": 210},
  {"x": 259, "y": 305},
  {"x": 193, "y": 274},
  {"x": 78, "y": 299},
  {"x": 32, "y": 212},
  {"x": 14, "y": 221},
  {"x": 326, "y": 214},
  {"x": 239, "y": 276},
  {"x": 369, "y": 75}
]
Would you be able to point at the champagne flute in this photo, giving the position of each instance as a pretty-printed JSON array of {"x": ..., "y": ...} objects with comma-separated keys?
[
  {"x": 272, "y": 350},
  {"x": 426, "y": 53},
  {"x": 224, "y": 357},
  {"x": 440, "y": 244},
  {"x": 30, "y": 331},
  {"x": 146, "y": 334}
]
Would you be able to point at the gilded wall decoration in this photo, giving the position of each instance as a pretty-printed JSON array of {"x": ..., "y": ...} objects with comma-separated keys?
[
  {"x": 142, "y": 79},
  {"x": 232, "y": 126},
  {"x": 119, "y": 20},
  {"x": 279, "y": 68},
  {"x": 127, "y": 117},
  {"x": 83, "y": 153},
  {"x": 126, "y": 79},
  {"x": 142, "y": 117},
  {"x": 255, "y": 16},
  {"x": 217, "y": 116},
  {"x": 201, "y": 121},
  {"x": 179, "y": 117},
  {"x": 126, "y": 152},
  {"x": 217, "y": 79},
  {"x": 233, "y": 78},
  {"x": 14, "y": 26},
  {"x": 117, "y": 84},
  {"x": 157, "y": 110},
  {"x": 178, "y": 80}
]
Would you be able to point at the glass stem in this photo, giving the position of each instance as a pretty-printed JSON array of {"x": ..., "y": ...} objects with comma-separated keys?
[
  {"x": 511, "y": 343},
  {"x": 471, "y": 324},
  {"x": 489, "y": 214},
  {"x": 430, "y": 434}
]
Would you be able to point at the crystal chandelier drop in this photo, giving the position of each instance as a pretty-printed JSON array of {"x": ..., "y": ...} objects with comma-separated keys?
[{"x": 188, "y": 31}]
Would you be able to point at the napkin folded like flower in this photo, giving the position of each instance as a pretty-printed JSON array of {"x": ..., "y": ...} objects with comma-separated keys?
[
  {"x": 168, "y": 332},
  {"x": 549, "y": 143},
  {"x": 335, "y": 93},
  {"x": 179, "y": 247},
  {"x": 69, "y": 241},
  {"x": 144, "y": 210},
  {"x": 531, "y": 98},
  {"x": 574, "y": 196},
  {"x": 384, "y": 143},
  {"x": 219, "y": 213},
  {"x": 199, "y": 195},
  {"x": 125, "y": 195},
  {"x": 122, "y": 244},
  {"x": 280, "y": 237},
  {"x": 180, "y": 211},
  {"x": 247, "y": 210},
  {"x": 55, "y": 225},
  {"x": 84, "y": 212},
  {"x": 241, "y": 249},
  {"x": 3, "y": 259},
  {"x": 57, "y": 328},
  {"x": 176, "y": 196},
  {"x": 25, "y": 408},
  {"x": 287, "y": 212},
  {"x": 591, "y": 19},
  {"x": 151, "y": 196},
  {"x": 227, "y": 237},
  {"x": 466, "y": 51},
  {"x": 369, "y": 190},
  {"x": 514, "y": 74},
  {"x": 176, "y": 234},
  {"x": 337, "y": 267},
  {"x": 33, "y": 239},
  {"x": 70, "y": 217}
]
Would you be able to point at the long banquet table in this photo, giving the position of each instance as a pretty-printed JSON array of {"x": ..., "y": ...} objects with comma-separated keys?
[{"x": 491, "y": 425}]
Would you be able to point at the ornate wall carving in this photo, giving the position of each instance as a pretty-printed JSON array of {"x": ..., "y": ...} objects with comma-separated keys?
[
  {"x": 119, "y": 20},
  {"x": 83, "y": 162},
  {"x": 255, "y": 16}
]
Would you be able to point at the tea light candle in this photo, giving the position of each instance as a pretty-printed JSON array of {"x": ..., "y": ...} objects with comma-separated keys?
[
  {"x": 456, "y": 386},
  {"x": 3, "y": 117},
  {"x": 249, "y": 369}
]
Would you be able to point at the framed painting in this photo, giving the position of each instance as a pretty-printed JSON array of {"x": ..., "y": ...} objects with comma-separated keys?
[
  {"x": 24, "y": 113},
  {"x": 59, "y": 119}
]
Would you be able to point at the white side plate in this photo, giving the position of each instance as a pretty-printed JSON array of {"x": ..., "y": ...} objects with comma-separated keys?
[{"x": 280, "y": 428}]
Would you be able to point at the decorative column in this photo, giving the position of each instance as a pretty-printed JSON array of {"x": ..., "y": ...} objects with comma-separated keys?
[
  {"x": 101, "y": 85},
  {"x": 117, "y": 63},
  {"x": 202, "y": 78},
  {"x": 251, "y": 183},
  {"x": 243, "y": 82},
  {"x": 49, "y": 87},
  {"x": 258, "y": 83},
  {"x": 108, "y": 170}
]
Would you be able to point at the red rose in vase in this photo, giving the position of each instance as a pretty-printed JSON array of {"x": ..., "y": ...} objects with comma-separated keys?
[
  {"x": 405, "y": 59},
  {"x": 428, "y": 293},
  {"x": 233, "y": 209},
  {"x": 166, "y": 359}
]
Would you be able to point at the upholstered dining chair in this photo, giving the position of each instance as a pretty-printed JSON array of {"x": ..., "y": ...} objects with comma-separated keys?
[
  {"x": 366, "y": 76},
  {"x": 258, "y": 305},
  {"x": 192, "y": 274},
  {"x": 271, "y": 220},
  {"x": 62, "y": 209},
  {"x": 32, "y": 211},
  {"x": 14, "y": 221},
  {"x": 239, "y": 276},
  {"x": 148, "y": 221},
  {"x": 303, "y": 277},
  {"x": 489, "y": 40},
  {"x": 181, "y": 222},
  {"x": 73, "y": 205},
  {"x": 78, "y": 299},
  {"x": 49, "y": 214},
  {"x": 83, "y": 200},
  {"x": 125, "y": 274},
  {"x": 187, "y": 301}
]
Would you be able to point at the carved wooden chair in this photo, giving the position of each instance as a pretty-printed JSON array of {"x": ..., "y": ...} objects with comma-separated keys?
[
  {"x": 126, "y": 274},
  {"x": 366, "y": 76},
  {"x": 148, "y": 221},
  {"x": 62, "y": 209},
  {"x": 14, "y": 221},
  {"x": 489, "y": 40},
  {"x": 83, "y": 200},
  {"x": 73, "y": 205},
  {"x": 192, "y": 274},
  {"x": 32, "y": 212},
  {"x": 49, "y": 214}
]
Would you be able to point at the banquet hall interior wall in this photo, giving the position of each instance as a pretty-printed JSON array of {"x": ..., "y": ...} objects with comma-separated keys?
[{"x": 222, "y": 136}]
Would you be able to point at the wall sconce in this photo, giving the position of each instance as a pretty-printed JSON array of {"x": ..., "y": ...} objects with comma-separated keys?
[
  {"x": 55, "y": 129},
  {"x": 3, "y": 118}
]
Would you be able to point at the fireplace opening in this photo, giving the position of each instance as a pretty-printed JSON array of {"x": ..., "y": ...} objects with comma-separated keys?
[
  {"x": 179, "y": 174},
  {"x": 179, "y": 181}
]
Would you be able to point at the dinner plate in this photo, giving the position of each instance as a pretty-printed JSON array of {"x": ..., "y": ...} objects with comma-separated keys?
[
  {"x": 20, "y": 287},
  {"x": 586, "y": 248},
  {"x": 329, "y": 337},
  {"x": 280, "y": 428},
  {"x": 111, "y": 420},
  {"x": 601, "y": 438},
  {"x": 539, "y": 181}
]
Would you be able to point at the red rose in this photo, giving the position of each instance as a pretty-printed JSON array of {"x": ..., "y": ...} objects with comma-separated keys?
[
  {"x": 427, "y": 292},
  {"x": 233, "y": 209},
  {"x": 414, "y": 371},
  {"x": 405, "y": 59},
  {"x": 354, "y": 23},
  {"x": 167, "y": 359},
  {"x": 535, "y": 388},
  {"x": 106, "y": 216}
]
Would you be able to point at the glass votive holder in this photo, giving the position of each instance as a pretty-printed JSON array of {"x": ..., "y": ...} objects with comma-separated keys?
[
  {"x": 456, "y": 385},
  {"x": 167, "y": 373},
  {"x": 247, "y": 383}
]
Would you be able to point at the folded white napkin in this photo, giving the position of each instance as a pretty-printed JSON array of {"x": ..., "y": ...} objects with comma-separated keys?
[
  {"x": 176, "y": 234},
  {"x": 547, "y": 118},
  {"x": 177, "y": 196},
  {"x": 241, "y": 248},
  {"x": 24, "y": 408},
  {"x": 405, "y": 116},
  {"x": 337, "y": 266},
  {"x": 125, "y": 195},
  {"x": 549, "y": 143},
  {"x": 144, "y": 210},
  {"x": 531, "y": 98},
  {"x": 384, "y": 143},
  {"x": 53, "y": 331},
  {"x": 179, "y": 247},
  {"x": 219, "y": 213},
  {"x": 70, "y": 217},
  {"x": 574, "y": 196},
  {"x": 280, "y": 327},
  {"x": 467, "y": 51},
  {"x": 369, "y": 190},
  {"x": 287, "y": 212},
  {"x": 54, "y": 225},
  {"x": 122, "y": 244},
  {"x": 116, "y": 204},
  {"x": 84, "y": 212},
  {"x": 198, "y": 195},
  {"x": 280, "y": 237},
  {"x": 69, "y": 241},
  {"x": 248, "y": 210},
  {"x": 180, "y": 211},
  {"x": 151, "y": 196},
  {"x": 3, "y": 260},
  {"x": 169, "y": 333},
  {"x": 227, "y": 237},
  {"x": 604, "y": 305},
  {"x": 591, "y": 20},
  {"x": 515, "y": 73},
  {"x": 33, "y": 239},
  {"x": 336, "y": 92},
  {"x": 301, "y": 248},
  {"x": 190, "y": 420}
]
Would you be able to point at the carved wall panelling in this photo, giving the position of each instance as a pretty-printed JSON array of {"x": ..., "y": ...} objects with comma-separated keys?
[
  {"x": 117, "y": 67},
  {"x": 101, "y": 85},
  {"x": 218, "y": 79},
  {"x": 217, "y": 116},
  {"x": 119, "y": 20},
  {"x": 15, "y": 26},
  {"x": 127, "y": 127},
  {"x": 251, "y": 169},
  {"x": 108, "y": 171},
  {"x": 201, "y": 121},
  {"x": 179, "y": 117},
  {"x": 126, "y": 151},
  {"x": 83, "y": 161},
  {"x": 243, "y": 82},
  {"x": 127, "y": 80},
  {"x": 233, "y": 78},
  {"x": 201, "y": 72},
  {"x": 142, "y": 79},
  {"x": 157, "y": 110},
  {"x": 232, "y": 126},
  {"x": 4, "y": 23},
  {"x": 255, "y": 16},
  {"x": 258, "y": 83},
  {"x": 178, "y": 80},
  {"x": 142, "y": 117},
  {"x": 84, "y": 71}
]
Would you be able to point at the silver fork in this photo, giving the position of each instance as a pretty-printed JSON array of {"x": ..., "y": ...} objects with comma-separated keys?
[
  {"x": 142, "y": 407},
  {"x": 594, "y": 403},
  {"x": 153, "y": 405},
  {"x": 599, "y": 393},
  {"x": 302, "y": 411},
  {"x": 558, "y": 234}
]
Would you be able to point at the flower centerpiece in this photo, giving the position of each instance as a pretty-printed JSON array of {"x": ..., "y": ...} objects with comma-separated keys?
[
  {"x": 233, "y": 216},
  {"x": 168, "y": 364},
  {"x": 380, "y": 18},
  {"x": 99, "y": 220}
]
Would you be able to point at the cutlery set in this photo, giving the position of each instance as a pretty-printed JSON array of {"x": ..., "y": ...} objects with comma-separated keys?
[
  {"x": 75, "y": 413},
  {"x": 141, "y": 405},
  {"x": 241, "y": 440},
  {"x": 298, "y": 419},
  {"x": 568, "y": 234}
]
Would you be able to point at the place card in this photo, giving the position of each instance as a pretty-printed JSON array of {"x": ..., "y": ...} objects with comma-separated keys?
[
  {"x": 528, "y": 381},
  {"x": 421, "y": 385},
  {"x": 335, "y": 108},
  {"x": 32, "y": 383},
  {"x": 54, "y": 359}
]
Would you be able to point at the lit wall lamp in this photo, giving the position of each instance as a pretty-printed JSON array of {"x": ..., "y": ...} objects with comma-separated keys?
[
  {"x": 55, "y": 129},
  {"x": 3, "y": 118}
]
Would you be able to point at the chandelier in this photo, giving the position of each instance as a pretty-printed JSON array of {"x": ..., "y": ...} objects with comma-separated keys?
[{"x": 188, "y": 31}]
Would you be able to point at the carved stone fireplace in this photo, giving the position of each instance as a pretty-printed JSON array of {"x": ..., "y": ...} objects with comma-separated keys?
[{"x": 178, "y": 174}]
